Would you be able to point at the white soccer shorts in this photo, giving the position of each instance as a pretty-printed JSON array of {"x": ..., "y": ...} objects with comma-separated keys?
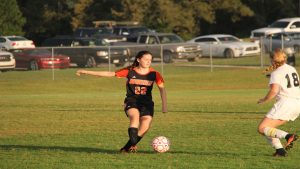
[{"x": 285, "y": 109}]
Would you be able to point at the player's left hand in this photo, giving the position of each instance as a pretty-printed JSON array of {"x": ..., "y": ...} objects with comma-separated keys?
[
  {"x": 260, "y": 101},
  {"x": 78, "y": 72}
]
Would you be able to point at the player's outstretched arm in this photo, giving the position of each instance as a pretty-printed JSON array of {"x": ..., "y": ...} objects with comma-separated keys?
[
  {"x": 95, "y": 73},
  {"x": 163, "y": 96},
  {"x": 274, "y": 89}
]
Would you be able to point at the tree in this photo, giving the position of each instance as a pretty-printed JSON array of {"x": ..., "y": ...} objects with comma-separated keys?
[
  {"x": 80, "y": 16},
  {"x": 161, "y": 15},
  {"x": 166, "y": 16},
  {"x": 187, "y": 18},
  {"x": 52, "y": 18},
  {"x": 131, "y": 10},
  {"x": 11, "y": 20}
]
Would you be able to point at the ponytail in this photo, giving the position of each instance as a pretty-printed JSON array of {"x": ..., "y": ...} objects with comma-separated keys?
[{"x": 278, "y": 59}]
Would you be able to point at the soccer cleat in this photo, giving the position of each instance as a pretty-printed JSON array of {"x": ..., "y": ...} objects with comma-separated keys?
[
  {"x": 290, "y": 138},
  {"x": 132, "y": 149},
  {"x": 123, "y": 150},
  {"x": 280, "y": 153}
]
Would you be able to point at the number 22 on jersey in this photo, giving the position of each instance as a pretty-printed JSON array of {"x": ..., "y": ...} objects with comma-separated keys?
[{"x": 140, "y": 90}]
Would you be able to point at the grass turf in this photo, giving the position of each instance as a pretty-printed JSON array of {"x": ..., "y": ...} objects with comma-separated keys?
[{"x": 78, "y": 122}]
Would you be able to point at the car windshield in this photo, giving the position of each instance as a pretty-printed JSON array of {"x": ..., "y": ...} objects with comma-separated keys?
[
  {"x": 279, "y": 24},
  {"x": 104, "y": 31},
  {"x": 84, "y": 42},
  {"x": 228, "y": 39},
  {"x": 17, "y": 38},
  {"x": 170, "y": 39},
  {"x": 138, "y": 30}
]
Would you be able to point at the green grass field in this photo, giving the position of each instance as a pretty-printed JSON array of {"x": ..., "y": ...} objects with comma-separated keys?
[{"x": 78, "y": 122}]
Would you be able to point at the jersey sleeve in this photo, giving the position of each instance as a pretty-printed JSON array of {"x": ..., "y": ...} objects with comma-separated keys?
[
  {"x": 275, "y": 79},
  {"x": 159, "y": 79},
  {"x": 122, "y": 73}
]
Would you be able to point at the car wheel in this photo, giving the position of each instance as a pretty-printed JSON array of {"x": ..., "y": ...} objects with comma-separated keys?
[
  {"x": 80, "y": 65},
  {"x": 90, "y": 62},
  {"x": 33, "y": 65},
  {"x": 167, "y": 57},
  {"x": 195, "y": 59},
  {"x": 228, "y": 53},
  {"x": 119, "y": 64}
]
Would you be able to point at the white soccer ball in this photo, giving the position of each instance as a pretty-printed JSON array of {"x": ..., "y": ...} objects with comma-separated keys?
[{"x": 160, "y": 144}]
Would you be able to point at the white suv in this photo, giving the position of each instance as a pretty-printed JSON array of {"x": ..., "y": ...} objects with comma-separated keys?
[{"x": 281, "y": 25}]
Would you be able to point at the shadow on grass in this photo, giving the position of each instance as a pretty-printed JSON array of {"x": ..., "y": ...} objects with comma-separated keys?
[
  {"x": 107, "y": 151},
  {"x": 52, "y": 148},
  {"x": 216, "y": 112}
]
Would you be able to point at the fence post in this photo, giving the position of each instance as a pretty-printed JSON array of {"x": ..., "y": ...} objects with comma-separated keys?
[
  {"x": 109, "y": 59},
  {"x": 262, "y": 51},
  {"x": 52, "y": 53},
  {"x": 210, "y": 56},
  {"x": 282, "y": 42},
  {"x": 162, "y": 59}
]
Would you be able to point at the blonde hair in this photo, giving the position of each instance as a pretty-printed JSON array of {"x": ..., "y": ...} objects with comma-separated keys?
[{"x": 278, "y": 59}]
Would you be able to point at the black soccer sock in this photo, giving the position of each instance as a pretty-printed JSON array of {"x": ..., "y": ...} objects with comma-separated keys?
[
  {"x": 127, "y": 145},
  {"x": 133, "y": 135},
  {"x": 288, "y": 136},
  {"x": 133, "y": 138},
  {"x": 139, "y": 138}
]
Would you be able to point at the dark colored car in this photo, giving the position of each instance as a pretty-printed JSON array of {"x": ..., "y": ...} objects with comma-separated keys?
[
  {"x": 87, "y": 52},
  {"x": 131, "y": 33},
  {"x": 98, "y": 33},
  {"x": 35, "y": 59}
]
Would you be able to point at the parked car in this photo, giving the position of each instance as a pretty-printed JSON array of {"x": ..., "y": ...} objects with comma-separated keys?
[
  {"x": 281, "y": 25},
  {"x": 87, "y": 52},
  {"x": 15, "y": 42},
  {"x": 163, "y": 46},
  {"x": 227, "y": 46},
  {"x": 130, "y": 32},
  {"x": 98, "y": 33},
  {"x": 282, "y": 40},
  {"x": 35, "y": 59},
  {"x": 7, "y": 61}
]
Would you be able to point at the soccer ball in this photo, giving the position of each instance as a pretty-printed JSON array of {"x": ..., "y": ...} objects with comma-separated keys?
[{"x": 160, "y": 144}]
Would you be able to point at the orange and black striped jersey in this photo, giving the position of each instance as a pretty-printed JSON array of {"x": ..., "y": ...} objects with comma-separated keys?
[{"x": 140, "y": 85}]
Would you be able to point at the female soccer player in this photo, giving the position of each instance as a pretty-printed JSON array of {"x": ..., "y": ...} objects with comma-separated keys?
[
  {"x": 284, "y": 85},
  {"x": 139, "y": 106}
]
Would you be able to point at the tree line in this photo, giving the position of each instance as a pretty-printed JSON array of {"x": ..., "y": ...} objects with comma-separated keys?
[{"x": 38, "y": 20}]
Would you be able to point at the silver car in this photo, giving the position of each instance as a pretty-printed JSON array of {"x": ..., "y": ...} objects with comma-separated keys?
[
  {"x": 282, "y": 40},
  {"x": 223, "y": 45}
]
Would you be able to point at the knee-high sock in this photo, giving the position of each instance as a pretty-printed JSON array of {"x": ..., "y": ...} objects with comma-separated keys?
[
  {"x": 275, "y": 142},
  {"x": 128, "y": 144},
  {"x": 275, "y": 133},
  {"x": 133, "y": 135}
]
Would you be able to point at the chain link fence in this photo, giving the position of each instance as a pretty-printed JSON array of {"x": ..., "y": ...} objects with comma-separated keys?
[{"x": 111, "y": 58}]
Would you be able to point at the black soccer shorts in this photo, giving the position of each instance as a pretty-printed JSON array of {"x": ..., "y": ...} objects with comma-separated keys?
[{"x": 145, "y": 108}]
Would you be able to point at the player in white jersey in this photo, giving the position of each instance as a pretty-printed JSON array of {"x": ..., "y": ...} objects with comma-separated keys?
[{"x": 284, "y": 85}]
